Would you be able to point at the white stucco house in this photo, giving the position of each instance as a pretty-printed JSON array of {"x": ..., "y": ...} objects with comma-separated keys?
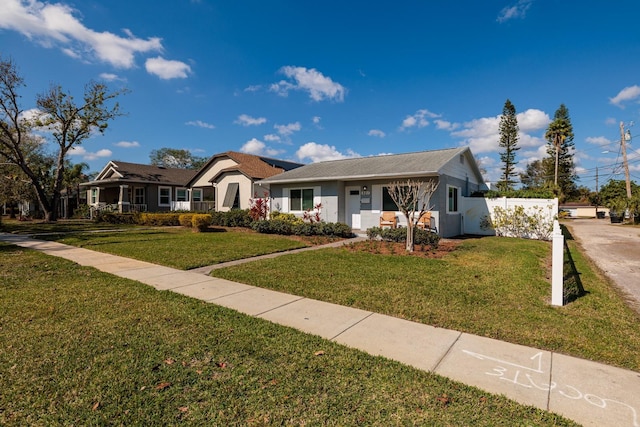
[{"x": 353, "y": 190}]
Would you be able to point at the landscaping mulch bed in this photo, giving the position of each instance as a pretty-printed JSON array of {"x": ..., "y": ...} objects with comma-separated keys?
[{"x": 391, "y": 248}]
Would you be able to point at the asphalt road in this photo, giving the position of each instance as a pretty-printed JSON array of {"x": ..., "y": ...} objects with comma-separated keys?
[{"x": 615, "y": 248}]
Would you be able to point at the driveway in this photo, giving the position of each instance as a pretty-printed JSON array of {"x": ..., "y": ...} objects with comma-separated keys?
[{"x": 615, "y": 248}]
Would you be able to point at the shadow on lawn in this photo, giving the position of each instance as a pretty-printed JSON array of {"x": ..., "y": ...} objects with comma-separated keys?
[{"x": 573, "y": 288}]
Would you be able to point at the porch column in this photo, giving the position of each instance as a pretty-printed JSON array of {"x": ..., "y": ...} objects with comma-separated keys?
[{"x": 123, "y": 200}]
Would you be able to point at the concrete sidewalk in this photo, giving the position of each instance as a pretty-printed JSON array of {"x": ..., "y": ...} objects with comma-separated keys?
[{"x": 590, "y": 393}]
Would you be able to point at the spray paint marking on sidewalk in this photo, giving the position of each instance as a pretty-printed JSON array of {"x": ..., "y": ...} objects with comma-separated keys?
[{"x": 513, "y": 373}]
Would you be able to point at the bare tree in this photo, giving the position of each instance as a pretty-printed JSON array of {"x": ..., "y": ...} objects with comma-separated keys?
[
  {"x": 413, "y": 199},
  {"x": 68, "y": 124}
]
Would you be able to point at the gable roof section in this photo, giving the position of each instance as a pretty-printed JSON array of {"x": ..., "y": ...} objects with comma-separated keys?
[
  {"x": 116, "y": 171},
  {"x": 423, "y": 163},
  {"x": 250, "y": 165}
]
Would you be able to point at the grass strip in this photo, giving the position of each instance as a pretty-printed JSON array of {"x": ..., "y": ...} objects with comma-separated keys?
[
  {"x": 182, "y": 248},
  {"x": 493, "y": 287},
  {"x": 81, "y": 347}
]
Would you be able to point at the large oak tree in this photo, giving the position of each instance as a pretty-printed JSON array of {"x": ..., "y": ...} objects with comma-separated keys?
[{"x": 62, "y": 124}]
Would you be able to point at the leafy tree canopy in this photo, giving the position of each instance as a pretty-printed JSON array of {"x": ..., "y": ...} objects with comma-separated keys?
[{"x": 176, "y": 158}]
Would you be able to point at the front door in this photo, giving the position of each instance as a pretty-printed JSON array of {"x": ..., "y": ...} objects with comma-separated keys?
[{"x": 353, "y": 207}]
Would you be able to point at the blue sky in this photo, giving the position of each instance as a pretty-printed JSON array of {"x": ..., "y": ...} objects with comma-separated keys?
[{"x": 327, "y": 80}]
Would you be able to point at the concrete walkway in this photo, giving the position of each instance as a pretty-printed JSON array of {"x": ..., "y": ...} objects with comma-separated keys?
[{"x": 590, "y": 393}]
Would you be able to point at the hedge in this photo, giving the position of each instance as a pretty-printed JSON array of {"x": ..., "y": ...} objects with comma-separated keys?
[
  {"x": 420, "y": 236},
  {"x": 285, "y": 227}
]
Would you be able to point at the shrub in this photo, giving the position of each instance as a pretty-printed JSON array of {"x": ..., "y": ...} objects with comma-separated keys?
[
  {"x": 185, "y": 220},
  {"x": 159, "y": 219},
  {"x": 288, "y": 217},
  {"x": 232, "y": 218},
  {"x": 116, "y": 217},
  {"x": 399, "y": 235},
  {"x": 532, "y": 223},
  {"x": 200, "y": 222},
  {"x": 273, "y": 226},
  {"x": 259, "y": 207}
]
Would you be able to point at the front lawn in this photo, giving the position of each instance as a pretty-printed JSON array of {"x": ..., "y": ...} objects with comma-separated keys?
[
  {"x": 494, "y": 287},
  {"x": 81, "y": 347},
  {"x": 181, "y": 248}
]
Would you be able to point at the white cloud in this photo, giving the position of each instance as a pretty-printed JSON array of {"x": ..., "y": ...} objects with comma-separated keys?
[
  {"x": 127, "y": 144},
  {"x": 287, "y": 130},
  {"x": 253, "y": 88},
  {"x": 609, "y": 121},
  {"x": 627, "y": 94},
  {"x": 272, "y": 137},
  {"x": 167, "y": 69},
  {"x": 86, "y": 155},
  {"x": 445, "y": 125},
  {"x": 200, "y": 123},
  {"x": 259, "y": 148},
  {"x": 246, "y": 120},
  {"x": 110, "y": 77},
  {"x": 518, "y": 10},
  {"x": 483, "y": 135},
  {"x": 321, "y": 152},
  {"x": 532, "y": 120},
  {"x": 418, "y": 119},
  {"x": 377, "y": 132},
  {"x": 316, "y": 120},
  {"x": 598, "y": 140},
  {"x": 310, "y": 80},
  {"x": 54, "y": 25}
]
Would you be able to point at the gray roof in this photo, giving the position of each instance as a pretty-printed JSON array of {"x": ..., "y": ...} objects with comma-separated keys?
[{"x": 423, "y": 163}]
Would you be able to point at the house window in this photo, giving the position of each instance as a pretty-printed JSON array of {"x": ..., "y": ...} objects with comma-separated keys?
[
  {"x": 452, "y": 205},
  {"x": 387, "y": 202},
  {"x": 164, "y": 196},
  {"x": 138, "y": 196},
  {"x": 301, "y": 199},
  {"x": 181, "y": 195},
  {"x": 94, "y": 196},
  {"x": 196, "y": 194},
  {"x": 232, "y": 197}
]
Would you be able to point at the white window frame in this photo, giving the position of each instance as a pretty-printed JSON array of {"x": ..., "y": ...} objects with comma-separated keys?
[
  {"x": 186, "y": 195},
  {"x": 160, "y": 196},
  {"x": 139, "y": 199},
  {"x": 302, "y": 189},
  {"x": 95, "y": 195},
  {"x": 457, "y": 199}
]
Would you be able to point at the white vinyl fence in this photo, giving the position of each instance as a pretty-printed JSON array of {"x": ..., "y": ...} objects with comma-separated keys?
[{"x": 476, "y": 209}]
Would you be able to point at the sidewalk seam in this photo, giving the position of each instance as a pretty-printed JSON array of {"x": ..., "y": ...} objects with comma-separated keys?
[
  {"x": 446, "y": 353},
  {"x": 371, "y": 313}
]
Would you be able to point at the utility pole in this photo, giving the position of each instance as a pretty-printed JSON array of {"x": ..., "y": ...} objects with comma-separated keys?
[{"x": 623, "y": 145}]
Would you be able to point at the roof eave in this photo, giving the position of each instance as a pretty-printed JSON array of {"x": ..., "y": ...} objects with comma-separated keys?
[{"x": 351, "y": 177}]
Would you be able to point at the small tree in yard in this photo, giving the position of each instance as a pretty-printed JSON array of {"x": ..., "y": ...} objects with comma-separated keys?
[{"x": 413, "y": 199}]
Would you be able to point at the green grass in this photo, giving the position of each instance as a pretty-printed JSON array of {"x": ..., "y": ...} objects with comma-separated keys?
[
  {"x": 81, "y": 347},
  {"x": 37, "y": 227},
  {"x": 180, "y": 247},
  {"x": 494, "y": 287}
]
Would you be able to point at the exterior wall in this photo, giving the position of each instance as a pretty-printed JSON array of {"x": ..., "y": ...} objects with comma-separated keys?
[
  {"x": 474, "y": 208},
  {"x": 245, "y": 190},
  {"x": 326, "y": 193},
  {"x": 217, "y": 166}
]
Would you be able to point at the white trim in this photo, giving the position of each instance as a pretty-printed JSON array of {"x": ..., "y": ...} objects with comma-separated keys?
[
  {"x": 317, "y": 198},
  {"x": 186, "y": 194},
  {"x": 160, "y": 197},
  {"x": 458, "y": 199}
]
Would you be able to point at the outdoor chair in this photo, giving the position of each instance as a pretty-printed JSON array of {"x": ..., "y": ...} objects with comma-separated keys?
[
  {"x": 388, "y": 219},
  {"x": 424, "y": 221}
]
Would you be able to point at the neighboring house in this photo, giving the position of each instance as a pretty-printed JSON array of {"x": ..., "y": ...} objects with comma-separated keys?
[
  {"x": 229, "y": 178},
  {"x": 582, "y": 210},
  {"x": 353, "y": 190},
  {"x": 126, "y": 187}
]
